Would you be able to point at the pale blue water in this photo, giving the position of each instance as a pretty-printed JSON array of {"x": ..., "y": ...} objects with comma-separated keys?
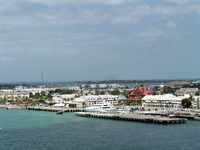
[{"x": 27, "y": 130}]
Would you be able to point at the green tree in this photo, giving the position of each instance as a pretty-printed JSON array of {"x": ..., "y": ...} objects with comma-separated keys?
[
  {"x": 37, "y": 95},
  {"x": 115, "y": 92},
  {"x": 63, "y": 91},
  {"x": 197, "y": 93},
  {"x": 187, "y": 102},
  {"x": 102, "y": 92},
  {"x": 97, "y": 92},
  {"x": 49, "y": 96},
  {"x": 43, "y": 93},
  {"x": 42, "y": 101},
  {"x": 167, "y": 90},
  {"x": 31, "y": 95}
]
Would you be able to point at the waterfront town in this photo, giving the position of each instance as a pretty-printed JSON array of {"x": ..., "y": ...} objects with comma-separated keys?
[{"x": 179, "y": 100}]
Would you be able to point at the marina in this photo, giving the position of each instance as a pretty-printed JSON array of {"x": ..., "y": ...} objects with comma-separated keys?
[
  {"x": 134, "y": 118},
  {"x": 53, "y": 109},
  {"x": 38, "y": 130}
]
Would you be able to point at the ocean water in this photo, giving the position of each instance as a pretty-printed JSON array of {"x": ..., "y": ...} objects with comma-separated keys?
[{"x": 29, "y": 130}]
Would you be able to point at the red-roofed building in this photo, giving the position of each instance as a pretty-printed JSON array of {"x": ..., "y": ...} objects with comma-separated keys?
[{"x": 138, "y": 93}]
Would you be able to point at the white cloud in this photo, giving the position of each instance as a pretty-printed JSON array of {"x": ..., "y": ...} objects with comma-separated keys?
[
  {"x": 178, "y": 1},
  {"x": 116, "y": 15},
  {"x": 58, "y": 2},
  {"x": 64, "y": 15}
]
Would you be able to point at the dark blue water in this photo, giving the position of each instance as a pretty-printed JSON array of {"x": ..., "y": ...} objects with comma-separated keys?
[{"x": 23, "y": 130}]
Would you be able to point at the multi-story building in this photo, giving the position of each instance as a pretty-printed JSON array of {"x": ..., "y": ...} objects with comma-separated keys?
[
  {"x": 138, "y": 93},
  {"x": 167, "y": 102},
  {"x": 186, "y": 91},
  {"x": 20, "y": 93},
  {"x": 91, "y": 100},
  {"x": 196, "y": 102}
]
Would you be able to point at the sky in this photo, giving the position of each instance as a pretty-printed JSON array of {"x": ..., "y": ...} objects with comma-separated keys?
[{"x": 71, "y": 40}]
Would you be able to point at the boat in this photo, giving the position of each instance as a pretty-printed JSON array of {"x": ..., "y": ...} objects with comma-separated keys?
[
  {"x": 104, "y": 107},
  {"x": 60, "y": 112}
]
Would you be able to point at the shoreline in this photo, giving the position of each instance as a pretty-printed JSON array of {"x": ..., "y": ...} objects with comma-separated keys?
[
  {"x": 134, "y": 118},
  {"x": 9, "y": 106}
]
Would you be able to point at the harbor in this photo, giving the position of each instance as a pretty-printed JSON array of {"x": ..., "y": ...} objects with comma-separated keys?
[
  {"x": 53, "y": 109},
  {"x": 134, "y": 118},
  {"x": 142, "y": 103},
  {"x": 112, "y": 113},
  {"x": 38, "y": 130}
]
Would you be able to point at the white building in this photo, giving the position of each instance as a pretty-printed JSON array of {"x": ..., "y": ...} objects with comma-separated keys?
[
  {"x": 186, "y": 91},
  {"x": 64, "y": 99},
  {"x": 59, "y": 105},
  {"x": 13, "y": 95},
  {"x": 21, "y": 93},
  {"x": 57, "y": 99},
  {"x": 79, "y": 102},
  {"x": 93, "y": 86},
  {"x": 68, "y": 97},
  {"x": 196, "y": 102},
  {"x": 75, "y": 88},
  {"x": 103, "y": 86},
  {"x": 91, "y": 100},
  {"x": 167, "y": 102}
]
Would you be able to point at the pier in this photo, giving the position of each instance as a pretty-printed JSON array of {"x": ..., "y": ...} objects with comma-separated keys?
[
  {"x": 53, "y": 109},
  {"x": 133, "y": 117}
]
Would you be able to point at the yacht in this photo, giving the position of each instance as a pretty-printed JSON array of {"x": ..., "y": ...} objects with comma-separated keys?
[{"x": 104, "y": 107}]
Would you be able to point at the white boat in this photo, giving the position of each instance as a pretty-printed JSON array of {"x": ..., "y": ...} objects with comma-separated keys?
[{"x": 104, "y": 107}]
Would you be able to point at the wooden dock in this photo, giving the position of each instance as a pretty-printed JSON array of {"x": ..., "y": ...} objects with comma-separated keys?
[
  {"x": 134, "y": 118},
  {"x": 53, "y": 109}
]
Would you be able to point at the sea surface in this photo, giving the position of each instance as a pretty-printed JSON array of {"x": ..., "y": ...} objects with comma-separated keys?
[{"x": 31, "y": 130}]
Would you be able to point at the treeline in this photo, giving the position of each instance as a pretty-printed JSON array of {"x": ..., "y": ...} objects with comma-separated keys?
[
  {"x": 42, "y": 95},
  {"x": 62, "y": 91}
]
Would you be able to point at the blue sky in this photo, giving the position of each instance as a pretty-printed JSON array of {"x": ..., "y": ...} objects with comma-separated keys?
[{"x": 99, "y": 39}]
